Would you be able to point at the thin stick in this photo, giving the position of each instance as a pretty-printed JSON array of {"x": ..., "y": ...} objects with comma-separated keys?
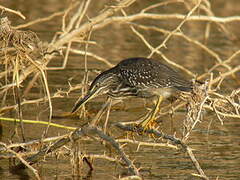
[
  {"x": 180, "y": 34},
  {"x": 97, "y": 118},
  {"x": 37, "y": 122},
  {"x": 13, "y": 11},
  {"x": 107, "y": 115},
  {"x": 161, "y": 4},
  {"x": 92, "y": 55},
  {"x": 98, "y": 19},
  {"x": 35, "y": 172},
  {"x": 196, "y": 163},
  {"x": 151, "y": 144},
  {"x": 47, "y": 91},
  {"x": 157, "y": 51},
  {"x": 39, "y": 20},
  {"x": 135, "y": 17},
  {"x": 87, "y": 3},
  {"x": 174, "y": 140},
  {"x": 178, "y": 28},
  {"x": 76, "y": 135}
]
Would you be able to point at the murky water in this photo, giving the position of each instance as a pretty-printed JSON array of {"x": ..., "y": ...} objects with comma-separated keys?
[{"x": 217, "y": 149}]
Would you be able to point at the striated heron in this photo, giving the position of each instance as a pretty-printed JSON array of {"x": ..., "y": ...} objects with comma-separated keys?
[{"x": 137, "y": 77}]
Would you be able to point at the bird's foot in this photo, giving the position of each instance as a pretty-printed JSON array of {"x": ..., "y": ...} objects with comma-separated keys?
[
  {"x": 86, "y": 114},
  {"x": 147, "y": 124}
]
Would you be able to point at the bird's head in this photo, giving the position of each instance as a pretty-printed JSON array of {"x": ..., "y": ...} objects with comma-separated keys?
[{"x": 101, "y": 85}]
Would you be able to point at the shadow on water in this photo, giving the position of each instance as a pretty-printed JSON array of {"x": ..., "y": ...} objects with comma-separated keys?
[{"x": 13, "y": 173}]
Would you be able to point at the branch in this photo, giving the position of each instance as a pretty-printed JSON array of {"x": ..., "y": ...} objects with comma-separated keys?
[
  {"x": 174, "y": 140},
  {"x": 13, "y": 11},
  {"x": 76, "y": 135},
  {"x": 94, "y": 21}
]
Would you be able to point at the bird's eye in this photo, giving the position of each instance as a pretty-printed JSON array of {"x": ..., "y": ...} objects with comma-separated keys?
[{"x": 97, "y": 85}]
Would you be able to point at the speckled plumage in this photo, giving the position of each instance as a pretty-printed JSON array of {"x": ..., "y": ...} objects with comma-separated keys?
[
  {"x": 149, "y": 73},
  {"x": 139, "y": 77}
]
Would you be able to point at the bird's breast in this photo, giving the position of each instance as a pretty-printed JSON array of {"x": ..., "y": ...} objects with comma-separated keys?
[{"x": 166, "y": 92}]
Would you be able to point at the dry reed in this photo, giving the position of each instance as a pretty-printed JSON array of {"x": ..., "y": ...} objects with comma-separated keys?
[{"x": 23, "y": 56}]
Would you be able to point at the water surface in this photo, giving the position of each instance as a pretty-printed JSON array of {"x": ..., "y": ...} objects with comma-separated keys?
[{"x": 216, "y": 146}]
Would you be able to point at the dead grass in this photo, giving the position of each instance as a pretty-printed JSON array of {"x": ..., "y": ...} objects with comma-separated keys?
[{"x": 23, "y": 56}]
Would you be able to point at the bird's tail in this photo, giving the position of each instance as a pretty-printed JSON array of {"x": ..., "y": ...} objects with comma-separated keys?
[
  {"x": 185, "y": 88},
  {"x": 188, "y": 86}
]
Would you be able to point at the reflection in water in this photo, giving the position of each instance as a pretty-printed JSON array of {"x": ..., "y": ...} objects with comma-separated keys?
[
  {"x": 13, "y": 173},
  {"x": 216, "y": 147},
  {"x": 20, "y": 173}
]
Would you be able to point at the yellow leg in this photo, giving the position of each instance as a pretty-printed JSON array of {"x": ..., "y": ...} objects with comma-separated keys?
[{"x": 146, "y": 123}]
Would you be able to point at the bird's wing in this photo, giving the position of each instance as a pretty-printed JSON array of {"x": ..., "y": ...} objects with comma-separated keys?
[{"x": 144, "y": 72}]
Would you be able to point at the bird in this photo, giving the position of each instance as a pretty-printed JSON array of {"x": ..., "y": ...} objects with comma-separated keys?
[{"x": 137, "y": 77}]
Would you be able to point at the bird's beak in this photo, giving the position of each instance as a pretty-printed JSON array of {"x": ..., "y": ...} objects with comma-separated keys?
[{"x": 85, "y": 99}]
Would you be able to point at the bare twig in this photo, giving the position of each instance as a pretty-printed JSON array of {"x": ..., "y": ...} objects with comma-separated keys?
[
  {"x": 12, "y": 11},
  {"x": 40, "y": 20},
  {"x": 25, "y": 163},
  {"x": 178, "y": 28},
  {"x": 85, "y": 131}
]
